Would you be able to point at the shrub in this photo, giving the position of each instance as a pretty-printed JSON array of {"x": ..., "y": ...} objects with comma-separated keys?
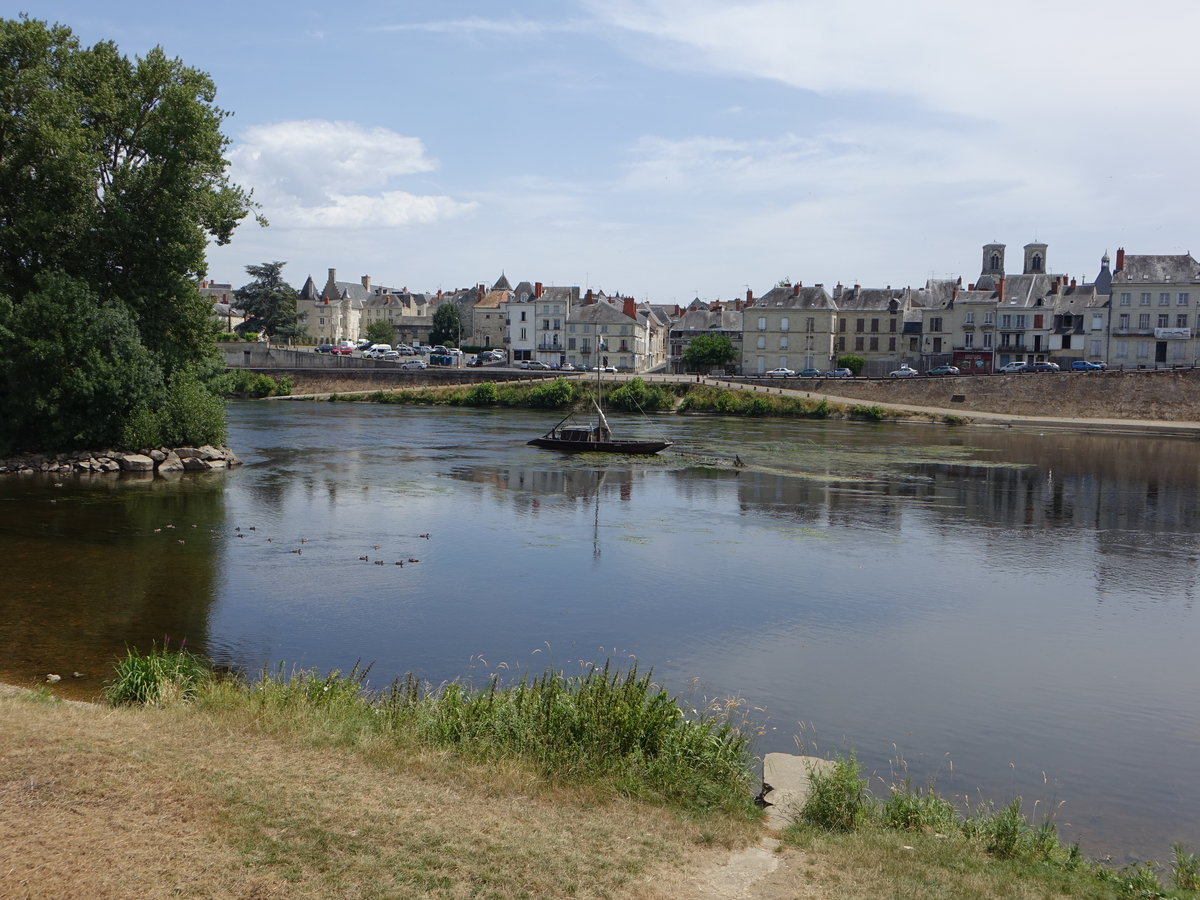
[
  {"x": 837, "y": 800},
  {"x": 914, "y": 810},
  {"x": 554, "y": 394},
  {"x": 635, "y": 395},
  {"x": 854, "y": 363},
  {"x": 157, "y": 678},
  {"x": 484, "y": 394},
  {"x": 1185, "y": 868},
  {"x": 874, "y": 412}
]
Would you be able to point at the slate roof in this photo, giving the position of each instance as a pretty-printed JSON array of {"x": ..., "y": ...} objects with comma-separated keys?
[
  {"x": 569, "y": 295},
  {"x": 701, "y": 320},
  {"x": 1158, "y": 269},
  {"x": 502, "y": 284},
  {"x": 598, "y": 313},
  {"x": 786, "y": 298}
]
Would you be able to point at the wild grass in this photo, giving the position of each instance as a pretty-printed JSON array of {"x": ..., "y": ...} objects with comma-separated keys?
[
  {"x": 710, "y": 399},
  {"x": 872, "y": 412},
  {"x": 242, "y": 383},
  {"x": 157, "y": 678},
  {"x": 611, "y": 728},
  {"x": 992, "y": 844}
]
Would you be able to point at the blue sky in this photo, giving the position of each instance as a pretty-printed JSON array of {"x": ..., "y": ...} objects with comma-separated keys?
[{"x": 679, "y": 148}]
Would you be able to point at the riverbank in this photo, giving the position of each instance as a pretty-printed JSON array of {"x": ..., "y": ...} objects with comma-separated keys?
[{"x": 220, "y": 800}]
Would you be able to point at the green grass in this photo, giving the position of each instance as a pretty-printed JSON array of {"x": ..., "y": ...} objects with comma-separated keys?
[
  {"x": 610, "y": 728},
  {"x": 989, "y": 849},
  {"x": 159, "y": 677}
]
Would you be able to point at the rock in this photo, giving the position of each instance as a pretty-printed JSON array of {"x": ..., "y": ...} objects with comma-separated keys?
[
  {"x": 53, "y": 678},
  {"x": 195, "y": 464},
  {"x": 136, "y": 462},
  {"x": 172, "y": 463},
  {"x": 157, "y": 455}
]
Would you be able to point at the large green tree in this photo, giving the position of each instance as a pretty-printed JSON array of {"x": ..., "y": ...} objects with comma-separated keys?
[
  {"x": 112, "y": 181},
  {"x": 381, "y": 331},
  {"x": 269, "y": 302},
  {"x": 447, "y": 325},
  {"x": 706, "y": 351}
]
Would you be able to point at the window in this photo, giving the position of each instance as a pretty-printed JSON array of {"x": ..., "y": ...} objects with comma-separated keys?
[
  {"x": 1143, "y": 349},
  {"x": 557, "y": 324},
  {"x": 874, "y": 344},
  {"x": 1123, "y": 321},
  {"x": 783, "y": 324},
  {"x": 1144, "y": 299},
  {"x": 762, "y": 342},
  {"x": 1122, "y": 349},
  {"x": 969, "y": 340},
  {"x": 1182, "y": 299},
  {"x": 1021, "y": 321},
  {"x": 810, "y": 324},
  {"x": 1181, "y": 320},
  {"x": 860, "y": 325},
  {"x": 783, "y": 342},
  {"x": 523, "y": 335},
  {"x": 892, "y": 326},
  {"x": 522, "y": 315},
  {"x": 969, "y": 318},
  {"x": 570, "y": 343},
  {"x": 762, "y": 323},
  {"x": 1018, "y": 340},
  {"x": 1164, "y": 320},
  {"x": 937, "y": 345},
  {"x": 1039, "y": 320},
  {"x": 1125, "y": 298},
  {"x": 912, "y": 345},
  {"x": 842, "y": 325},
  {"x": 839, "y": 345},
  {"x": 545, "y": 324},
  {"x": 1006, "y": 321},
  {"x": 858, "y": 343},
  {"x": 1095, "y": 345},
  {"x": 989, "y": 318},
  {"x": 874, "y": 324},
  {"x": 935, "y": 324},
  {"x": 892, "y": 344},
  {"x": 1097, "y": 323},
  {"x": 987, "y": 340},
  {"x": 1144, "y": 321},
  {"x": 1164, "y": 299}
]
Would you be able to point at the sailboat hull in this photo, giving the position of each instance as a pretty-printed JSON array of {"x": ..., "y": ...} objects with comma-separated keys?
[{"x": 548, "y": 442}]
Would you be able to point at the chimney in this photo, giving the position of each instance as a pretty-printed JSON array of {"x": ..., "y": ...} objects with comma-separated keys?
[
  {"x": 1072, "y": 283},
  {"x": 479, "y": 291},
  {"x": 537, "y": 290},
  {"x": 587, "y": 298},
  {"x": 1120, "y": 259},
  {"x": 796, "y": 289},
  {"x": 970, "y": 287},
  {"x": 1000, "y": 289},
  {"x": 749, "y": 297},
  {"x": 333, "y": 275},
  {"x": 630, "y": 307},
  {"x": 366, "y": 283}
]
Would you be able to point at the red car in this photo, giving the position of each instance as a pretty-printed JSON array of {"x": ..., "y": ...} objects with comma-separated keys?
[{"x": 344, "y": 351}]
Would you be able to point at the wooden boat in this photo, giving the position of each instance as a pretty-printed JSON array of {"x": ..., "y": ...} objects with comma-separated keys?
[{"x": 595, "y": 438}]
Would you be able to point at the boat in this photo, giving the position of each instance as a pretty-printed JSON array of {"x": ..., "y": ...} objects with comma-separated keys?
[{"x": 594, "y": 438}]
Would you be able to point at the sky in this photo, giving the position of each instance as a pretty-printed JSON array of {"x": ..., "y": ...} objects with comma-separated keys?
[{"x": 673, "y": 149}]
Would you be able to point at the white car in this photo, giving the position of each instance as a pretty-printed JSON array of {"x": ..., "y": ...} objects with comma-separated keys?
[
  {"x": 1012, "y": 367},
  {"x": 413, "y": 364},
  {"x": 903, "y": 372},
  {"x": 780, "y": 373}
]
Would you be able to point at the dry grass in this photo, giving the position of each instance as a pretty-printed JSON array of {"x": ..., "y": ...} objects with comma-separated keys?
[{"x": 99, "y": 803}]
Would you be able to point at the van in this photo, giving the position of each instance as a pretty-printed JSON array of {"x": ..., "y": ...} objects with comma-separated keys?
[{"x": 377, "y": 350}]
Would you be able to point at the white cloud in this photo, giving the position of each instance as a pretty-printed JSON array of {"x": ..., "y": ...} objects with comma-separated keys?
[{"x": 320, "y": 174}]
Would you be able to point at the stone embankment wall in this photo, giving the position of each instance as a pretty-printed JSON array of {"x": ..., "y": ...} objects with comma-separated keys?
[
  {"x": 158, "y": 461},
  {"x": 1167, "y": 395},
  {"x": 316, "y": 381}
]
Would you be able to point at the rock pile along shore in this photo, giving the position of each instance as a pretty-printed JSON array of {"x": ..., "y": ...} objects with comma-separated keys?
[{"x": 161, "y": 460}]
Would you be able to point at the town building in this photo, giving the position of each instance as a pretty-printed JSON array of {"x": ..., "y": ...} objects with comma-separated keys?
[
  {"x": 1155, "y": 310},
  {"x": 790, "y": 327}
]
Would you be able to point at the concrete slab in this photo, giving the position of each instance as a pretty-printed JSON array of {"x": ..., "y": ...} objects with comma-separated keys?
[{"x": 788, "y": 775}]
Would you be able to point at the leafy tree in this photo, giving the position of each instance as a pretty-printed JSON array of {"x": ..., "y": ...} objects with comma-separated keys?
[
  {"x": 854, "y": 363},
  {"x": 381, "y": 332},
  {"x": 708, "y": 350},
  {"x": 112, "y": 181},
  {"x": 270, "y": 302},
  {"x": 447, "y": 325}
]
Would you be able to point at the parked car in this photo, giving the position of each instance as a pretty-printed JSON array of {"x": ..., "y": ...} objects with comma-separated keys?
[
  {"x": 536, "y": 364},
  {"x": 499, "y": 354},
  {"x": 1082, "y": 365},
  {"x": 566, "y": 367},
  {"x": 481, "y": 360},
  {"x": 389, "y": 356},
  {"x": 839, "y": 373},
  {"x": 781, "y": 372},
  {"x": 903, "y": 372},
  {"x": 1099, "y": 362},
  {"x": 362, "y": 343},
  {"x": 612, "y": 369},
  {"x": 1014, "y": 367},
  {"x": 413, "y": 364},
  {"x": 809, "y": 373},
  {"x": 343, "y": 350},
  {"x": 943, "y": 370},
  {"x": 405, "y": 350},
  {"x": 1043, "y": 366},
  {"x": 323, "y": 348}
]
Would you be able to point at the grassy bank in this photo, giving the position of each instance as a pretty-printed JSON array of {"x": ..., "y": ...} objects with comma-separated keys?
[
  {"x": 634, "y": 395},
  {"x": 296, "y": 784}
]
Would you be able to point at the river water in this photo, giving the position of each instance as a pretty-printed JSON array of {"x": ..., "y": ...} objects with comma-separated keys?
[{"x": 1008, "y": 612}]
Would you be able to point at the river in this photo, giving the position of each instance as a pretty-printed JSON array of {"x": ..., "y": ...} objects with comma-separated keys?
[{"x": 1006, "y": 611}]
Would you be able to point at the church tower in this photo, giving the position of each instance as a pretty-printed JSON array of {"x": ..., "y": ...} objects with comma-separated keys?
[
  {"x": 1035, "y": 258},
  {"x": 993, "y": 261}
]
